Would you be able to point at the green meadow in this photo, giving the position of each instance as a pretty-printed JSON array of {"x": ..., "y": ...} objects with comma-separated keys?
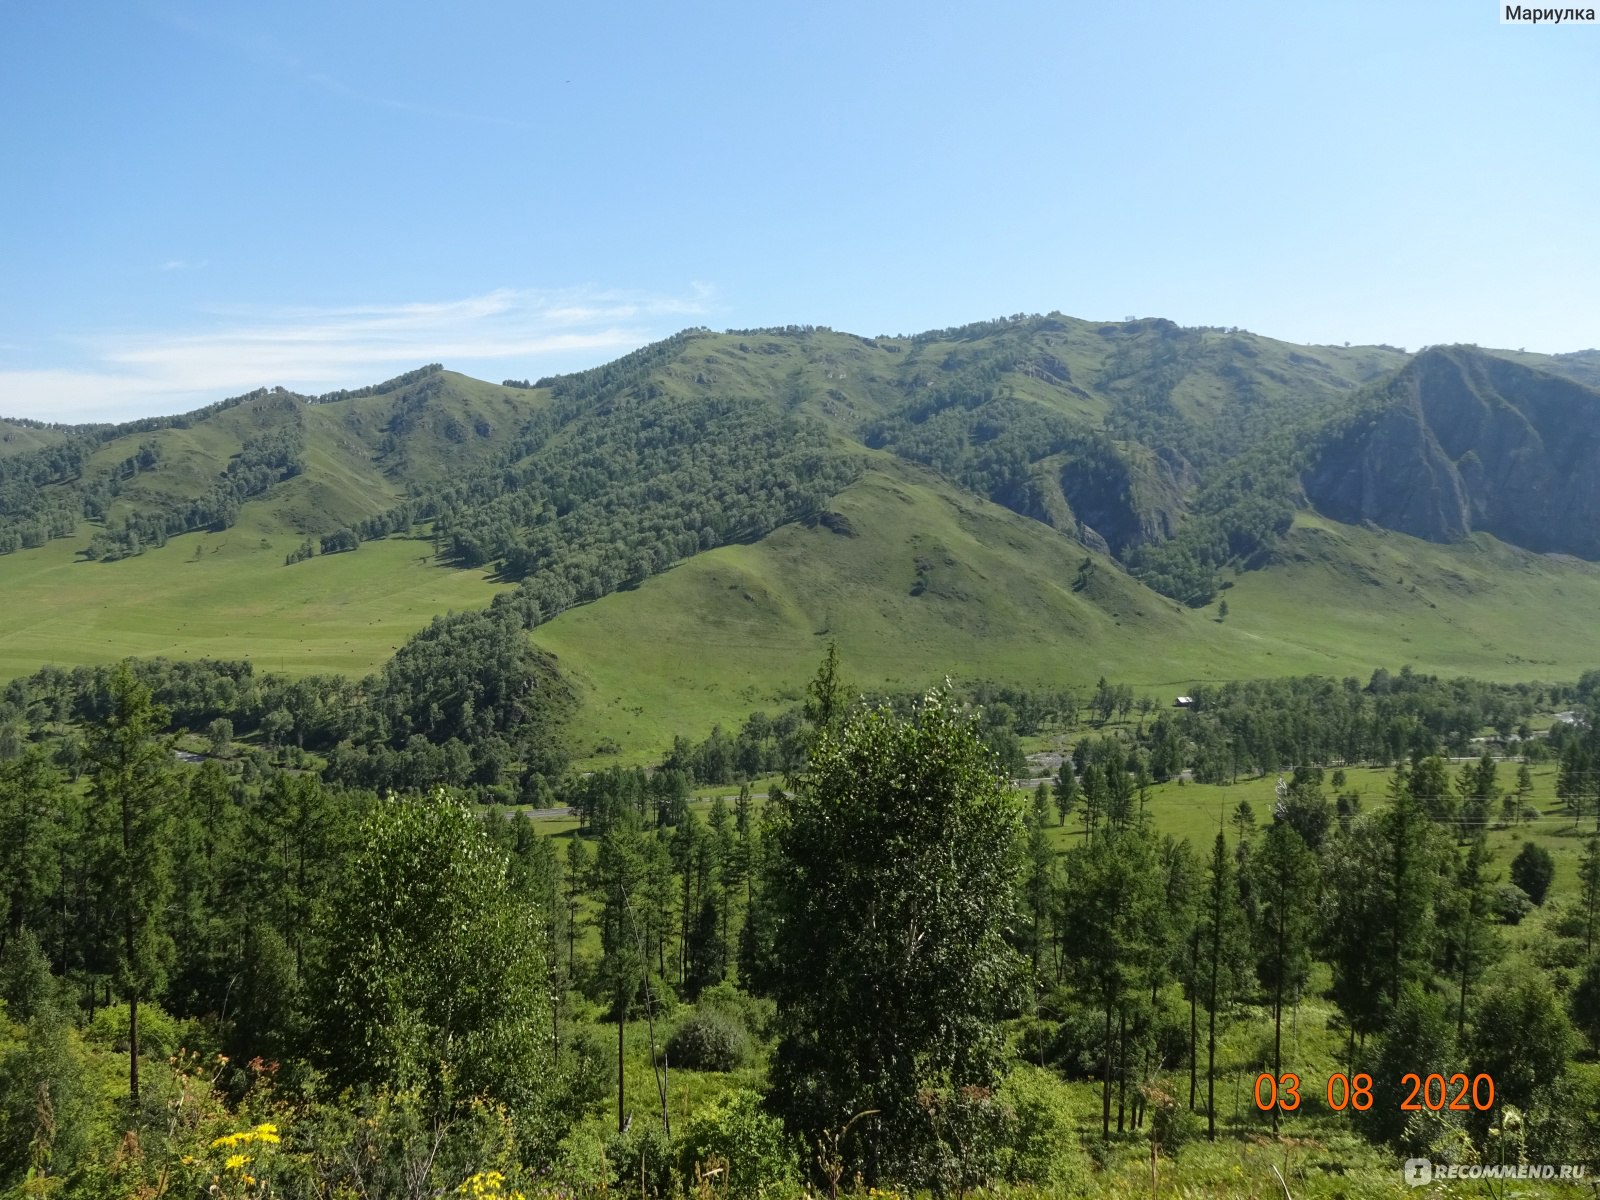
[{"x": 226, "y": 596}]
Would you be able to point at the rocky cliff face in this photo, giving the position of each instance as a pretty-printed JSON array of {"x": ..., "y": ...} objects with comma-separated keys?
[{"x": 1466, "y": 441}]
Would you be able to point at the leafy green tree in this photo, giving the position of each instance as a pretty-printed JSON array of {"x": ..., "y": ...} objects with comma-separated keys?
[
  {"x": 1532, "y": 870},
  {"x": 1520, "y": 1037},
  {"x": 892, "y": 881},
  {"x": 435, "y": 977},
  {"x": 1417, "y": 1036},
  {"x": 1286, "y": 885},
  {"x": 219, "y": 735},
  {"x": 130, "y": 806}
]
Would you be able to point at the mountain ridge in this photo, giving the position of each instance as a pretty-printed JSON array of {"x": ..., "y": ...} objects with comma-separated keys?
[{"x": 1147, "y": 469}]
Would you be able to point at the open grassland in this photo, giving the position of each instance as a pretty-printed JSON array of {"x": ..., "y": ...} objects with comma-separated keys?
[
  {"x": 1345, "y": 597},
  {"x": 226, "y": 595}
]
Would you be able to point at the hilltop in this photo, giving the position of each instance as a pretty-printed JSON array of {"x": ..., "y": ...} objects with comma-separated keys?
[{"x": 1037, "y": 498}]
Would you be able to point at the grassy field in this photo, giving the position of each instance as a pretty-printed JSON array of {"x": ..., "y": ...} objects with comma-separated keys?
[
  {"x": 226, "y": 595},
  {"x": 931, "y": 583}
]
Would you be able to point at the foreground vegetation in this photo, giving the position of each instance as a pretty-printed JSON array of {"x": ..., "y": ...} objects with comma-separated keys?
[{"x": 892, "y": 971}]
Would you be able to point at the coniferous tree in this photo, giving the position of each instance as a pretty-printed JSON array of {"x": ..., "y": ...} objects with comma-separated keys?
[
  {"x": 1223, "y": 947},
  {"x": 131, "y": 800},
  {"x": 1066, "y": 791},
  {"x": 1286, "y": 882},
  {"x": 1408, "y": 874},
  {"x": 579, "y": 865},
  {"x": 1038, "y": 886},
  {"x": 30, "y": 859},
  {"x": 1589, "y": 894},
  {"x": 1467, "y": 937},
  {"x": 617, "y": 878},
  {"x": 1112, "y": 903}
]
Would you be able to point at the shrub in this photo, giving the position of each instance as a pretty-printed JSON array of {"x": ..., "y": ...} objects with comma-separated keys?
[
  {"x": 159, "y": 1034},
  {"x": 711, "y": 1039},
  {"x": 1172, "y": 1124},
  {"x": 1042, "y": 1143},
  {"x": 755, "y": 1013},
  {"x": 641, "y": 1161},
  {"x": 1511, "y": 904},
  {"x": 588, "y": 1068},
  {"x": 1532, "y": 870},
  {"x": 735, "y": 1133}
]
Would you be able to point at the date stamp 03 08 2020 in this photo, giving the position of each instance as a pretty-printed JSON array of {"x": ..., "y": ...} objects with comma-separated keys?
[{"x": 1434, "y": 1092}]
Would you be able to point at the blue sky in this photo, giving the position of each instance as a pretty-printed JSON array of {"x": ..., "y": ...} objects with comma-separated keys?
[{"x": 201, "y": 198}]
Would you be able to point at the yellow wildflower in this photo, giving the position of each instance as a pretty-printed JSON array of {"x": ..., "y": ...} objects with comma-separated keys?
[{"x": 236, "y": 1161}]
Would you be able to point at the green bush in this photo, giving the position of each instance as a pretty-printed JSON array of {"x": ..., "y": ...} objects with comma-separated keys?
[
  {"x": 1042, "y": 1143},
  {"x": 733, "y": 1133},
  {"x": 1172, "y": 1124},
  {"x": 755, "y": 1013},
  {"x": 159, "y": 1033},
  {"x": 48, "y": 1104},
  {"x": 1511, "y": 903},
  {"x": 712, "y": 1039},
  {"x": 588, "y": 1068},
  {"x": 642, "y": 1161}
]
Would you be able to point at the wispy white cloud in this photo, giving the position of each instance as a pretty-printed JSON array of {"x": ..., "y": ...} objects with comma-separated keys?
[{"x": 523, "y": 333}]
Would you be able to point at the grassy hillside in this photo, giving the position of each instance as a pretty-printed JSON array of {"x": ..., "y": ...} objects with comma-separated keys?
[
  {"x": 226, "y": 595},
  {"x": 913, "y": 581},
  {"x": 18, "y": 437},
  {"x": 743, "y": 627},
  {"x": 1351, "y": 597}
]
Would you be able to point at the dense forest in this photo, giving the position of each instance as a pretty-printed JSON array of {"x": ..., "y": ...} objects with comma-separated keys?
[{"x": 895, "y": 968}]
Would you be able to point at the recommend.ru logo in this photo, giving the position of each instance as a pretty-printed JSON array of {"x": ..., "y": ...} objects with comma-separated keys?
[{"x": 1419, "y": 1171}]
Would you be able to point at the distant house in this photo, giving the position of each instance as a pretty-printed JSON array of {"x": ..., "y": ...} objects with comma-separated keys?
[{"x": 1183, "y": 702}]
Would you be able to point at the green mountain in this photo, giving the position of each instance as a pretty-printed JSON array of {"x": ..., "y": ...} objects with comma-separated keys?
[{"x": 1037, "y": 498}]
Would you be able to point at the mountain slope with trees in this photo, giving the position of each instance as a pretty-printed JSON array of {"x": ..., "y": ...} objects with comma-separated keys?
[{"x": 1149, "y": 468}]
